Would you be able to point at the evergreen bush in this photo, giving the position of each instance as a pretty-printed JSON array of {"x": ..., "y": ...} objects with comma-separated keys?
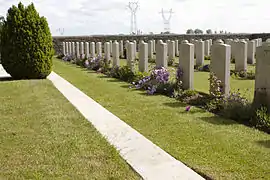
[{"x": 26, "y": 43}]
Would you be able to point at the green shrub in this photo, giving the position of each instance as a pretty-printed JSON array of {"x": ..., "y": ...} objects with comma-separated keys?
[
  {"x": 207, "y": 58},
  {"x": 243, "y": 74},
  {"x": 261, "y": 119},
  {"x": 151, "y": 60},
  {"x": 26, "y": 44},
  {"x": 171, "y": 61},
  {"x": 124, "y": 73}
]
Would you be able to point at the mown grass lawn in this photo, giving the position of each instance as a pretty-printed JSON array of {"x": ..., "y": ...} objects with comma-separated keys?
[
  {"x": 217, "y": 147},
  {"x": 42, "y": 136}
]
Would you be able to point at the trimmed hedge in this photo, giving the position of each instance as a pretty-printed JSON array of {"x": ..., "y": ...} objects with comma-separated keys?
[{"x": 26, "y": 44}]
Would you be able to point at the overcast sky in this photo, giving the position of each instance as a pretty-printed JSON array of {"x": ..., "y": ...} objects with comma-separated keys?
[{"x": 87, "y": 17}]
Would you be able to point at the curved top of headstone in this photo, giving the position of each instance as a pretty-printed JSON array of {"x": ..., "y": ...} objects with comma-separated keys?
[
  {"x": 160, "y": 41},
  {"x": 219, "y": 41},
  {"x": 242, "y": 41},
  {"x": 267, "y": 40},
  {"x": 184, "y": 42}
]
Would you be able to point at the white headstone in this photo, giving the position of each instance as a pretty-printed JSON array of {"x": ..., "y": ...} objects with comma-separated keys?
[
  {"x": 72, "y": 47},
  {"x": 186, "y": 63},
  {"x": 262, "y": 80},
  {"x": 87, "y": 50},
  {"x": 143, "y": 57},
  {"x": 241, "y": 56},
  {"x": 161, "y": 57},
  {"x": 99, "y": 48},
  {"x": 171, "y": 50},
  {"x": 78, "y": 50},
  {"x": 121, "y": 45},
  {"x": 107, "y": 49},
  {"x": 150, "y": 49},
  {"x": 251, "y": 52},
  {"x": 115, "y": 54},
  {"x": 176, "y": 48},
  {"x": 131, "y": 56},
  {"x": 199, "y": 52},
  {"x": 92, "y": 49},
  {"x": 220, "y": 65},
  {"x": 64, "y": 49}
]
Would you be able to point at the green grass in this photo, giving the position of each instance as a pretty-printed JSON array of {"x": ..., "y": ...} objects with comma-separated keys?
[
  {"x": 42, "y": 136},
  {"x": 217, "y": 147}
]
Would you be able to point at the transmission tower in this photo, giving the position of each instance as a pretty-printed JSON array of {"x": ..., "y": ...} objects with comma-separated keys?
[
  {"x": 60, "y": 30},
  {"x": 133, "y": 7},
  {"x": 166, "y": 21}
]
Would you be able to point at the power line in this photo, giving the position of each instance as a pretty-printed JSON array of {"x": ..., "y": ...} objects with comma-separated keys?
[
  {"x": 133, "y": 7},
  {"x": 60, "y": 30},
  {"x": 166, "y": 21}
]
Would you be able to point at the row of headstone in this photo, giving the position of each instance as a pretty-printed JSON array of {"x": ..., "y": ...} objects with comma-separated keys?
[
  {"x": 243, "y": 52},
  {"x": 221, "y": 54}
]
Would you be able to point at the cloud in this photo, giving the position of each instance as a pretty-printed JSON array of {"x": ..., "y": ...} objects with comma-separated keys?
[{"x": 85, "y": 17}]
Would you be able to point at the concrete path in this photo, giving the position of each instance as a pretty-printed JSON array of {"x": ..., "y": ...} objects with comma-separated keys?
[
  {"x": 147, "y": 159},
  {"x": 150, "y": 161}
]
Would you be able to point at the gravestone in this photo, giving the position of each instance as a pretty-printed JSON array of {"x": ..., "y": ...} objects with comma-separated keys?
[
  {"x": 206, "y": 47},
  {"x": 143, "y": 56},
  {"x": 241, "y": 56},
  {"x": 199, "y": 52},
  {"x": 99, "y": 48},
  {"x": 262, "y": 80},
  {"x": 158, "y": 51},
  {"x": 135, "y": 48},
  {"x": 211, "y": 42},
  {"x": 78, "y": 50},
  {"x": 171, "y": 50},
  {"x": 107, "y": 49},
  {"x": 82, "y": 50},
  {"x": 72, "y": 46},
  {"x": 64, "y": 49},
  {"x": 87, "y": 50},
  {"x": 110, "y": 46},
  {"x": 220, "y": 65},
  {"x": 186, "y": 63},
  {"x": 176, "y": 48},
  {"x": 154, "y": 46},
  {"x": 121, "y": 49},
  {"x": 115, "y": 54},
  {"x": 126, "y": 49},
  {"x": 131, "y": 56},
  {"x": 251, "y": 52},
  {"x": 92, "y": 49},
  {"x": 162, "y": 58},
  {"x": 150, "y": 49}
]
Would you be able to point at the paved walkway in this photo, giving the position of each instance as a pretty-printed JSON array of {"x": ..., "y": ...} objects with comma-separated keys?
[{"x": 147, "y": 159}]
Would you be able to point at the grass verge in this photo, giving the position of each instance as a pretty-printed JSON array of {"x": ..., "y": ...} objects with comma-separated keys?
[{"x": 42, "y": 136}]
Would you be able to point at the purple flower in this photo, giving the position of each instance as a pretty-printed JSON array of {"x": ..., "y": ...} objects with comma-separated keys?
[{"x": 188, "y": 108}]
